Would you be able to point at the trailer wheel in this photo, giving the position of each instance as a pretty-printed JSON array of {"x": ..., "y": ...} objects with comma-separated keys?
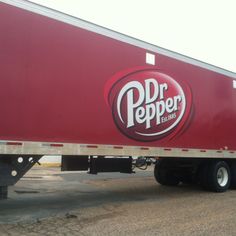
[
  {"x": 163, "y": 174},
  {"x": 202, "y": 175},
  {"x": 186, "y": 178},
  {"x": 218, "y": 176},
  {"x": 233, "y": 175}
]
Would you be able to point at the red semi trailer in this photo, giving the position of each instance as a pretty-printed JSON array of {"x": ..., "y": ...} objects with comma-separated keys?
[{"x": 74, "y": 88}]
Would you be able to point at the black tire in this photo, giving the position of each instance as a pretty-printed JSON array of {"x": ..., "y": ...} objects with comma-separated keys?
[
  {"x": 202, "y": 175},
  {"x": 218, "y": 176},
  {"x": 163, "y": 174},
  {"x": 233, "y": 175},
  {"x": 186, "y": 178}
]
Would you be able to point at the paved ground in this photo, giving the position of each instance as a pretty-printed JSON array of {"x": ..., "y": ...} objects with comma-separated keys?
[{"x": 53, "y": 203}]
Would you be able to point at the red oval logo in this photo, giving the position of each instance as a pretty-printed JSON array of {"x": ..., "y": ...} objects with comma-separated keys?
[{"x": 147, "y": 105}]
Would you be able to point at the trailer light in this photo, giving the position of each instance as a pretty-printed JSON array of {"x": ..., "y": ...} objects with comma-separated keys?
[
  {"x": 52, "y": 145},
  {"x": 150, "y": 58},
  {"x": 118, "y": 147},
  {"x": 185, "y": 150},
  {"x": 14, "y": 143},
  {"x": 234, "y": 84},
  {"x": 92, "y": 146},
  {"x": 56, "y": 145}
]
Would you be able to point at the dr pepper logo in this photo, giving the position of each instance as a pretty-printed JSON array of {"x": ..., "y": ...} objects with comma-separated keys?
[{"x": 146, "y": 104}]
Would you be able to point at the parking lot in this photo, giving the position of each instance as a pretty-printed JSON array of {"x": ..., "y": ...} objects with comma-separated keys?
[{"x": 49, "y": 202}]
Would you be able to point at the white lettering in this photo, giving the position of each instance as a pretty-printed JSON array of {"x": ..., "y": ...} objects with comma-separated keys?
[
  {"x": 148, "y": 83},
  {"x": 147, "y": 104}
]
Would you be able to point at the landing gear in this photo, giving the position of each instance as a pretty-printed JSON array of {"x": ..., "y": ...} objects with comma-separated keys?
[
  {"x": 12, "y": 168},
  {"x": 3, "y": 192}
]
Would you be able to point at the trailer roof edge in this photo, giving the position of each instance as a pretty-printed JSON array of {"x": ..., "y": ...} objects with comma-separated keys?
[{"x": 63, "y": 17}]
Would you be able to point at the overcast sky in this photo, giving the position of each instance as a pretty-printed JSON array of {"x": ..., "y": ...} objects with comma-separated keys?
[{"x": 202, "y": 29}]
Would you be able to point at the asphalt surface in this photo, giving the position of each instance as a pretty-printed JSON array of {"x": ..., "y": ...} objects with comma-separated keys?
[{"x": 49, "y": 202}]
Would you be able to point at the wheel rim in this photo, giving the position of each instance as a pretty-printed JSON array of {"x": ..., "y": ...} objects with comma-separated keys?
[{"x": 222, "y": 176}]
